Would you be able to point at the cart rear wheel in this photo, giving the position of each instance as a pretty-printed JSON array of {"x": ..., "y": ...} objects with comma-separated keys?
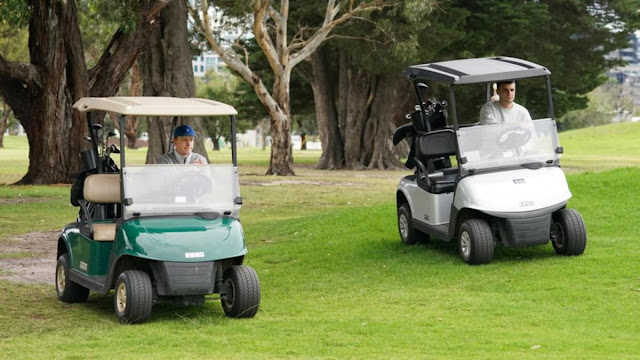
[
  {"x": 569, "y": 236},
  {"x": 408, "y": 234},
  {"x": 133, "y": 297},
  {"x": 476, "y": 242},
  {"x": 243, "y": 292},
  {"x": 67, "y": 290}
]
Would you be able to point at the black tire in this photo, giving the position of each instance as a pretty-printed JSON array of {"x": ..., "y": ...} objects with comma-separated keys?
[
  {"x": 408, "y": 234},
  {"x": 67, "y": 290},
  {"x": 133, "y": 297},
  {"x": 243, "y": 292},
  {"x": 476, "y": 242},
  {"x": 569, "y": 235}
]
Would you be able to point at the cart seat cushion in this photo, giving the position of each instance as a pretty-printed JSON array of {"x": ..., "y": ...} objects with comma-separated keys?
[
  {"x": 443, "y": 184},
  {"x": 436, "y": 144},
  {"x": 102, "y": 188},
  {"x": 104, "y": 232}
]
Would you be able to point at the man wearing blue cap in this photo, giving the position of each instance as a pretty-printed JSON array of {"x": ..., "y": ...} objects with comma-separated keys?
[{"x": 183, "y": 140}]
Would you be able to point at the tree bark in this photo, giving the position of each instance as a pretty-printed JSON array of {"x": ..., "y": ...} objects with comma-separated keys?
[
  {"x": 356, "y": 127},
  {"x": 326, "y": 113},
  {"x": 131, "y": 132},
  {"x": 166, "y": 70},
  {"x": 3, "y": 123},
  {"x": 42, "y": 92}
]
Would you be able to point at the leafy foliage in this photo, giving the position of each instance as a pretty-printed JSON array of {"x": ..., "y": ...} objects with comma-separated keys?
[{"x": 14, "y": 12}]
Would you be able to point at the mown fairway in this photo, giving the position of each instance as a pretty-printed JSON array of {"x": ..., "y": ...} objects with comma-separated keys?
[{"x": 337, "y": 282}]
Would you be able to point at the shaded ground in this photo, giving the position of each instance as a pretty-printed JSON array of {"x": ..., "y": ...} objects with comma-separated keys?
[{"x": 29, "y": 258}]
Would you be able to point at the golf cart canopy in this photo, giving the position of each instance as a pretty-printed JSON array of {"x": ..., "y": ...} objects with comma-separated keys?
[
  {"x": 155, "y": 106},
  {"x": 473, "y": 71}
]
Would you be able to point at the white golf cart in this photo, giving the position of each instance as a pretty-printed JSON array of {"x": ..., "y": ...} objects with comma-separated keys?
[{"x": 505, "y": 185}]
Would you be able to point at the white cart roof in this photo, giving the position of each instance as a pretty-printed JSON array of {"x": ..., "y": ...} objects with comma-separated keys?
[
  {"x": 472, "y": 71},
  {"x": 155, "y": 106}
]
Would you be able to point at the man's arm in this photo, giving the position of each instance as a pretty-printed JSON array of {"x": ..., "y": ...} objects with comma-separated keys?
[{"x": 488, "y": 115}]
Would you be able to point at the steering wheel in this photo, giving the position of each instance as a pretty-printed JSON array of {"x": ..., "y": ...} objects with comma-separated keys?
[
  {"x": 513, "y": 137},
  {"x": 194, "y": 184}
]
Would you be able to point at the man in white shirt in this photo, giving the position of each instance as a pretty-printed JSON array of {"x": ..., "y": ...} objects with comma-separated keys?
[
  {"x": 183, "y": 140},
  {"x": 505, "y": 110}
]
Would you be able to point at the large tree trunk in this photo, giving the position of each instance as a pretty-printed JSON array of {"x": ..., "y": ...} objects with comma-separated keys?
[
  {"x": 326, "y": 113},
  {"x": 368, "y": 109},
  {"x": 392, "y": 96},
  {"x": 281, "y": 160},
  {"x": 44, "y": 110},
  {"x": 166, "y": 71},
  {"x": 42, "y": 93}
]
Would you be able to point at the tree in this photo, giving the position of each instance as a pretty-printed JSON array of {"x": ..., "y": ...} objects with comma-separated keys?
[
  {"x": 42, "y": 92},
  {"x": 360, "y": 96},
  {"x": 166, "y": 71},
  {"x": 283, "y": 51},
  {"x": 348, "y": 73}
]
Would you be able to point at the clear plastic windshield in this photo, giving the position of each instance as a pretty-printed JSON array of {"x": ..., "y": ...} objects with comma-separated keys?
[
  {"x": 180, "y": 189},
  {"x": 505, "y": 145}
]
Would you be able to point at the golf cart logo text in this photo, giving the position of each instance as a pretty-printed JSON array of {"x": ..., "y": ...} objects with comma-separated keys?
[
  {"x": 518, "y": 181},
  {"x": 191, "y": 255}
]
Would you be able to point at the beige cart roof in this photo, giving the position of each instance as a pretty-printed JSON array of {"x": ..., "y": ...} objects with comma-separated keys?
[{"x": 155, "y": 106}]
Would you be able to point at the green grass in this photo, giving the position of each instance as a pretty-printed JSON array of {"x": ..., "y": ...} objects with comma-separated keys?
[
  {"x": 337, "y": 282},
  {"x": 601, "y": 147}
]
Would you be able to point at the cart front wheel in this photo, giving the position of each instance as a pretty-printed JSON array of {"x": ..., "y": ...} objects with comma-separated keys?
[
  {"x": 476, "y": 242},
  {"x": 133, "y": 298},
  {"x": 569, "y": 235},
  {"x": 67, "y": 290},
  {"x": 243, "y": 292}
]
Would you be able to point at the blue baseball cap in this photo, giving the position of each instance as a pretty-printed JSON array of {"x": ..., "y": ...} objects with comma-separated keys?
[{"x": 184, "y": 130}]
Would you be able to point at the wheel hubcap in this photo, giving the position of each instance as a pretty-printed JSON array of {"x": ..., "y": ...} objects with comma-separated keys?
[
  {"x": 60, "y": 279},
  {"x": 121, "y": 297},
  {"x": 559, "y": 235},
  {"x": 231, "y": 293},
  {"x": 465, "y": 244},
  {"x": 404, "y": 226}
]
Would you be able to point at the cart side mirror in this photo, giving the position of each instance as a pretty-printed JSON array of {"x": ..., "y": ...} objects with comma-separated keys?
[
  {"x": 238, "y": 200},
  {"x": 559, "y": 150}
]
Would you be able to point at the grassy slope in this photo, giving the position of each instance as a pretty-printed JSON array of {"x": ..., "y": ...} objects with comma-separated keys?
[
  {"x": 338, "y": 283},
  {"x": 602, "y": 147}
]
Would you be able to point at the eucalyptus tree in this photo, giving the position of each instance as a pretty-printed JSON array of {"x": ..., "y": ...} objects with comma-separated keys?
[{"x": 270, "y": 22}]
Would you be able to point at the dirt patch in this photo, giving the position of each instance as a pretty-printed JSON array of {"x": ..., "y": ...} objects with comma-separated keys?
[
  {"x": 37, "y": 268},
  {"x": 20, "y": 200}
]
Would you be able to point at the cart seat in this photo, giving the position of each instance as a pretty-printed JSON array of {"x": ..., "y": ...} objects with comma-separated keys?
[
  {"x": 438, "y": 144},
  {"x": 102, "y": 189}
]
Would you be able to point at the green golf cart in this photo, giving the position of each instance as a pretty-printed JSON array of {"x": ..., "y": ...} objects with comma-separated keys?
[{"x": 155, "y": 232}]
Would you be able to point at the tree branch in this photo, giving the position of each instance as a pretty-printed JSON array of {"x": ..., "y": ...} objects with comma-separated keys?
[
  {"x": 262, "y": 36},
  {"x": 117, "y": 59},
  {"x": 329, "y": 23},
  {"x": 24, "y": 73}
]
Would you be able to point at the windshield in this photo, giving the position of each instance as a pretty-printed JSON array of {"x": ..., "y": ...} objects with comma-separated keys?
[
  {"x": 505, "y": 145},
  {"x": 180, "y": 189}
]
